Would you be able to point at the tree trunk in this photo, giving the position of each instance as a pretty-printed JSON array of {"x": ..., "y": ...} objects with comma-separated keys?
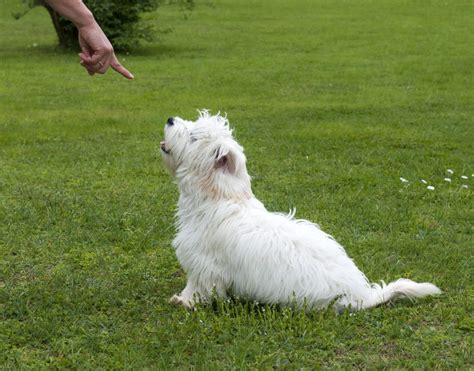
[
  {"x": 66, "y": 32},
  {"x": 55, "y": 18}
]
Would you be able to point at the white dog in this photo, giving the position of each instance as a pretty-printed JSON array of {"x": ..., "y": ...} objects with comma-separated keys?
[{"x": 228, "y": 242}]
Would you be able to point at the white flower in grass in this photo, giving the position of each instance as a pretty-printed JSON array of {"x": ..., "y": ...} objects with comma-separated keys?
[
  {"x": 424, "y": 181},
  {"x": 465, "y": 186},
  {"x": 403, "y": 180},
  {"x": 431, "y": 188},
  {"x": 447, "y": 180},
  {"x": 464, "y": 177},
  {"x": 450, "y": 171}
]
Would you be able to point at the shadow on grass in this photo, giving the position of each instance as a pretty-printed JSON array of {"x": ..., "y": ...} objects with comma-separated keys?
[
  {"x": 161, "y": 51},
  {"x": 235, "y": 307}
]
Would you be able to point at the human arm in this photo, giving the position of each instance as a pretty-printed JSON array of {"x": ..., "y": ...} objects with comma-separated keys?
[{"x": 97, "y": 52}]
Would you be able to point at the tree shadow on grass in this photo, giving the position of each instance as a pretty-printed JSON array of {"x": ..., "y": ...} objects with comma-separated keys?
[
  {"x": 163, "y": 51},
  {"x": 152, "y": 51}
]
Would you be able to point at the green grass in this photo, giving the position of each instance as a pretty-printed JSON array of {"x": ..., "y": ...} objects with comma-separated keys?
[{"x": 333, "y": 102}]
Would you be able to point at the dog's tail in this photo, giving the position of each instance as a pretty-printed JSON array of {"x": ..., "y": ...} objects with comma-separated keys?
[{"x": 402, "y": 288}]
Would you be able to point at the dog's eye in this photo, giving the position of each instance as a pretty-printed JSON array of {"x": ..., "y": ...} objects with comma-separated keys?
[{"x": 193, "y": 138}]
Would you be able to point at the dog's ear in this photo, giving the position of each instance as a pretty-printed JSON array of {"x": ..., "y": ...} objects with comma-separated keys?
[
  {"x": 226, "y": 178},
  {"x": 225, "y": 160}
]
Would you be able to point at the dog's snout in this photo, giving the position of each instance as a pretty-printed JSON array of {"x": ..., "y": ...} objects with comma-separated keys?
[{"x": 170, "y": 121}]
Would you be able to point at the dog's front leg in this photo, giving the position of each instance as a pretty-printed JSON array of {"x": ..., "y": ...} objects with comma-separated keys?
[
  {"x": 188, "y": 296},
  {"x": 194, "y": 292}
]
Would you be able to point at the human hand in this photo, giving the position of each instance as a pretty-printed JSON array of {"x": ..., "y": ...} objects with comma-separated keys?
[{"x": 97, "y": 52}]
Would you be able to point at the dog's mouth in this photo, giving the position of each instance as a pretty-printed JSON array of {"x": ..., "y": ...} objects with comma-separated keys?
[{"x": 163, "y": 148}]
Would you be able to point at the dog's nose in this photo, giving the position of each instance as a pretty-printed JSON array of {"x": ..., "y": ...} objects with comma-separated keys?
[{"x": 170, "y": 121}]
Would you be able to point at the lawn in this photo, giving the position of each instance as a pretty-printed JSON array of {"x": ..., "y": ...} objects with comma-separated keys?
[{"x": 333, "y": 101}]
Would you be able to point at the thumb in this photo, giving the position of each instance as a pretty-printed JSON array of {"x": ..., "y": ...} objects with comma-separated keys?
[{"x": 115, "y": 64}]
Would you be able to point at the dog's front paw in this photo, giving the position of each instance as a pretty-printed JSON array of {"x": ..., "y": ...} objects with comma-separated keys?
[{"x": 179, "y": 300}]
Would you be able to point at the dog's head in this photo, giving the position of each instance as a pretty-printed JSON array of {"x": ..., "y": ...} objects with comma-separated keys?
[{"x": 205, "y": 158}]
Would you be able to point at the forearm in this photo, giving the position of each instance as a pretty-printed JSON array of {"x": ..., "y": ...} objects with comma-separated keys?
[{"x": 74, "y": 10}]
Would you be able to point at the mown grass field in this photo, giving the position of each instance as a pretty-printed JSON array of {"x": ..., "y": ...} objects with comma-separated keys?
[{"x": 333, "y": 101}]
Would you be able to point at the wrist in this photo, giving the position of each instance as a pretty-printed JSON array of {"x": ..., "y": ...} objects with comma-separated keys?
[{"x": 84, "y": 18}]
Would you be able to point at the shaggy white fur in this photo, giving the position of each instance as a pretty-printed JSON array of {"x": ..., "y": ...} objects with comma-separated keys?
[{"x": 228, "y": 242}]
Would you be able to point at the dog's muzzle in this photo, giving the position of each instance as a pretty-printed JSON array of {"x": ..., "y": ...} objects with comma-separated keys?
[{"x": 163, "y": 148}]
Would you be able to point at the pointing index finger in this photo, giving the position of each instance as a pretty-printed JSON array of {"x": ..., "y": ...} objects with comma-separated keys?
[{"x": 115, "y": 64}]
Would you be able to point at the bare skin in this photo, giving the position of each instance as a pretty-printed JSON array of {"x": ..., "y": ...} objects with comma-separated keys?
[{"x": 97, "y": 52}]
